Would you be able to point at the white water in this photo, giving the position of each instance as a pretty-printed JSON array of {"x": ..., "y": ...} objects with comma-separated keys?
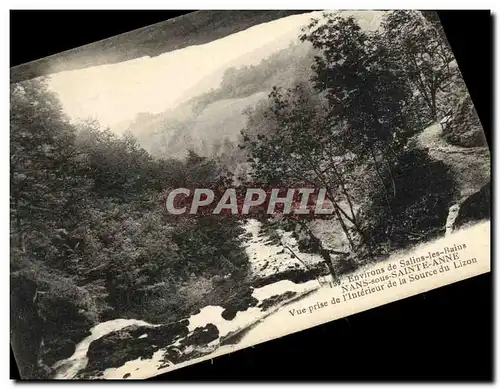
[
  {"x": 279, "y": 322},
  {"x": 268, "y": 259},
  {"x": 145, "y": 368},
  {"x": 265, "y": 260},
  {"x": 452, "y": 216},
  {"x": 212, "y": 314},
  {"x": 68, "y": 368}
]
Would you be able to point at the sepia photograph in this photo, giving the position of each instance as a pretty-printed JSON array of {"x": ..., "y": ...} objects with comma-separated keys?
[{"x": 217, "y": 180}]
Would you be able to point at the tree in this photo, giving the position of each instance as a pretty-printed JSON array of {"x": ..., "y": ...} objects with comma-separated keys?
[
  {"x": 119, "y": 166},
  {"x": 48, "y": 206},
  {"x": 356, "y": 119},
  {"x": 370, "y": 103},
  {"x": 425, "y": 59},
  {"x": 299, "y": 149},
  {"x": 90, "y": 239},
  {"x": 48, "y": 189}
]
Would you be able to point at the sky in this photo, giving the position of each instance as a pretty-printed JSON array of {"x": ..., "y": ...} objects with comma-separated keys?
[{"x": 116, "y": 93}]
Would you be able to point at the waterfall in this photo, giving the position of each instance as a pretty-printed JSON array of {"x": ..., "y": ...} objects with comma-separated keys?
[
  {"x": 452, "y": 215},
  {"x": 69, "y": 368}
]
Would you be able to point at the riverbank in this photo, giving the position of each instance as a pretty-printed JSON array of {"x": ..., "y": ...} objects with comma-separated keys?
[
  {"x": 136, "y": 350},
  {"x": 129, "y": 348}
]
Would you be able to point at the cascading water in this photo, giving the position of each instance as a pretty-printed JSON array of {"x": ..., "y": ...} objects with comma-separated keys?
[{"x": 265, "y": 259}]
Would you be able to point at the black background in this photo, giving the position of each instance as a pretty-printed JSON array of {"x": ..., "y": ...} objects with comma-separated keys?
[{"x": 445, "y": 334}]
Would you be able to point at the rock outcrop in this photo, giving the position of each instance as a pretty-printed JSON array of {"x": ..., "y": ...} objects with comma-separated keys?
[
  {"x": 464, "y": 127},
  {"x": 116, "y": 348},
  {"x": 475, "y": 208}
]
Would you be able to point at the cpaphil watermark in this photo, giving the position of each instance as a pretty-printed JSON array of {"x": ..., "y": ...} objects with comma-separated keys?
[{"x": 247, "y": 201}]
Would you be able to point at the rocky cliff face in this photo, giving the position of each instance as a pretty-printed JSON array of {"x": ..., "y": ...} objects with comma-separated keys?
[
  {"x": 464, "y": 127},
  {"x": 475, "y": 208}
]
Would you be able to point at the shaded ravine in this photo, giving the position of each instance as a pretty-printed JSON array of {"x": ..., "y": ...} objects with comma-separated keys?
[
  {"x": 266, "y": 259},
  {"x": 470, "y": 166},
  {"x": 123, "y": 348}
]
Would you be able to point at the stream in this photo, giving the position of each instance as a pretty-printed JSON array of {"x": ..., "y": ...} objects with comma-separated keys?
[
  {"x": 266, "y": 258},
  {"x": 142, "y": 350}
]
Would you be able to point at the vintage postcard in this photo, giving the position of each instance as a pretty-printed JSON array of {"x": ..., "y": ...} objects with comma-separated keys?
[{"x": 225, "y": 178}]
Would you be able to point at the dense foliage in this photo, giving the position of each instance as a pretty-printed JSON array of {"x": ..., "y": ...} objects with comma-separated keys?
[
  {"x": 90, "y": 239},
  {"x": 349, "y": 129}
]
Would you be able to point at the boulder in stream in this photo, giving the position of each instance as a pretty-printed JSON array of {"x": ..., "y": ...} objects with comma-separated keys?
[{"x": 119, "y": 347}]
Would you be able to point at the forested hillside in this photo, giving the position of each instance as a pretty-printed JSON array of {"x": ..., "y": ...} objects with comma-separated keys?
[
  {"x": 89, "y": 237},
  {"x": 218, "y": 116}
]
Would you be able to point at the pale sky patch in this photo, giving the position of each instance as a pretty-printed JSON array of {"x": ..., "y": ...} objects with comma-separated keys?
[{"x": 116, "y": 93}]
